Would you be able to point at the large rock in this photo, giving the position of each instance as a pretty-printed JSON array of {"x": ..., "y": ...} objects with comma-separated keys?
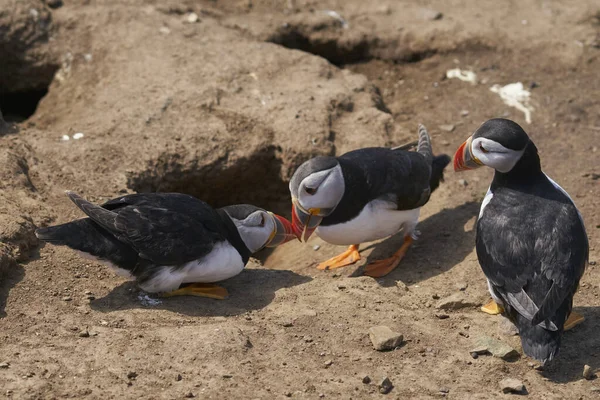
[
  {"x": 228, "y": 119},
  {"x": 383, "y": 338}
]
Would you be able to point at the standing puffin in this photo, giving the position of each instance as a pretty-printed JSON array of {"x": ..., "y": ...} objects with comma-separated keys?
[
  {"x": 365, "y": 195},
  {"x": 165, "y": 240},
  {"x": 531, "y": 242}
]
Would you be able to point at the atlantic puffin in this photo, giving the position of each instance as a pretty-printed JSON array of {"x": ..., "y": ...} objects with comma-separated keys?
[
  {"x": 531, "y": 241},
  {"x": 166, "y": 240},
  {"x": 365, "y": 195}
]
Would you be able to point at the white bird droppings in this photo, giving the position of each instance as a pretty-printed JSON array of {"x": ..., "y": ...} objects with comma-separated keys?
[
  {"x": 515, "y": 95},
  {"x": 463, "y": 75},
  {"x": 64, "y": 138},
  {"x": 78, "y": 136}
]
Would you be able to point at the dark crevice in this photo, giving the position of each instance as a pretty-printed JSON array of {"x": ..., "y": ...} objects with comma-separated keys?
[
  {"x": 252, "y": 180},
  {"x": 19, "y": 106}
]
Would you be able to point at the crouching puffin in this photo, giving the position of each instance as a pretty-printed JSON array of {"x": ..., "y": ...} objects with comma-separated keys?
[
  {"x": 365, "y": 195},
  {"x": 531, "y": 242},
  {"x": 165, "y": 240}
]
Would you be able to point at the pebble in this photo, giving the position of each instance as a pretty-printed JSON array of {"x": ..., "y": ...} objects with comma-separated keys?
[
  {"x": 328, "y": 363},
  {"x": 402, "y": 286},
  {"x": 486, "y": 344},
  {"x": 78, "y": 136},
  {"x": 192, "y": 18},
  {"x": 511, "y": 385},
  {"x": 442, "y": 316},
  {"x": 383, "y": 338},
  {"x": 431, "y": 15},
  {"x": 178, "y": 378},
  {"x": 84, "y": 334},
  {"x": 462, "y": 286},
  {"x": 444, "y": 390},
  {"x": 447, "y": 128},
  {"x": 67, "y": 298},
  {"x": 366, "y": 379},
  {"x": 4, "y": 365},
  {"x": 464, "y": 113},
  {"x": 455, "y": 302},
  {"x": 385, "y": 386},
  {"x": 588, "y": 373},
  {"x": 190, "y": 395},
  {"x": 316, "y": 247},
  {"x": 463, "y": 182},
  {"x": 132, "y": 375}
]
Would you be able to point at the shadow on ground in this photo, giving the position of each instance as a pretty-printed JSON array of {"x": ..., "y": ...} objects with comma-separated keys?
[
  {"x": 444, "y": 242},
  {"x": 251, "y": 290},
  {"x": 11, "y": 273},
  {"x": 580, "y": 346}
]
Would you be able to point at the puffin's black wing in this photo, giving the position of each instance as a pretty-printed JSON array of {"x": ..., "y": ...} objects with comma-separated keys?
[
  {"x": 533, "y": 249},
  {"x": 166, "y": 229}
]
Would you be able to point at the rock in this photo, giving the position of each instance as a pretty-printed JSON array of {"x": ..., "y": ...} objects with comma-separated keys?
[
  {"x": 383, "y": 338},
  {"x": 132, "y": 375},
  {"x": 442, "y": 316},
  {"x": 4, "y": 365},
  {"x": 455, "y": 302},
  {"x": 366, "y": 379},
  {"x": 429, "y": 14},
  {"x": 486, "y": 344},
  {"x": 402, "y": 286},
  {"x": 191, "y": 18},
  {"x": 588, "y": 373},
  {"x": 385, "y": 386},
  {"x": 447, "y": 128},
  {"x": 464, "y": 113},
  {"x": 507, "y": 328},
  {"x": 67, "y": 298},
  {"x": 444, "y": 390},
  {"x": 328, "y": 363},
  {"x": 190, "y": 395},
  {"x": 511, "y": 385},
  {"x": 462, "y": 286},
  {"x": 84, "y": 334},
  {"x": 316, "y": 247},
  {"x": 463, "y": 182}
]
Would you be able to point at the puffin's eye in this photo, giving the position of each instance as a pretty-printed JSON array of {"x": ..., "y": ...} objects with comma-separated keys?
[
  {"x": 310, "y": 191},
  {"x": 483, "y": 149}
]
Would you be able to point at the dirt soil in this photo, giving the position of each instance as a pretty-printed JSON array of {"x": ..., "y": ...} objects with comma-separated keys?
[{"x": 222, "y": 100}]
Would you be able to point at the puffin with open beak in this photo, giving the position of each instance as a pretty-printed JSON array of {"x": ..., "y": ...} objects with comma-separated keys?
[
  {"x": 365, "y": 195},
  {"x": 171, "y": 243},
  {"x": 531, "y": 241}
]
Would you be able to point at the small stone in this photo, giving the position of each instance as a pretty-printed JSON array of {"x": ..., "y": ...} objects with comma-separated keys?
[
  {"x": 444, "y": 390},
  {"x": 4, "y": 365},
  {"x": 84, "y": 334},
  {"x": 588, "y": 373},
  {"x": 507, "y": 328},
  {"x": 511, "y": 385},
  {"x": 340, "y": 286},
  {"x": 178, "y": 378},
  {"x": 192, "y": 18},
  {"x": 462, "y": 286},
  {"x": 67, "y": 298},
  {"x": 287, "y": 324},
  {"x": 227, "y": 376},
  {"x": 383, "y": 338},
  {"x": 104, "y": 323},
  {"x": 486, "y": 344},
  {"x": 463, "y": 182},
  {"x": 431, "y": 15},
  {"x": 447, "y": 128},
  {"x": 366, "y": 379},
  {"x": 464, "y": 113},
  {"x": 385, "y": 386},
  {"x": 316, "y": 247},
  {"x": 474, "y": 354},
  {"x": 328, "y": 363},
  {"x": 190, "y": 395},
  {"x": 455, "y": 302},
  {"x": 132, "y": 375},
  {"x": 288, "y": 394},
  {"x": 54, "y": 4},
  {"x": 402, "y": 286},
  {"x": 78, "y": 136},
  {"x": 592, "y": 263},
  {"x": 442, "y": 316}
]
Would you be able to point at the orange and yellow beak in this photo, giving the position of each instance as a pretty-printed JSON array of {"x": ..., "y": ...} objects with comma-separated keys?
[
  {"x": 464, "y": 158},
  {"x": 304, "y": 222},
  {"x": 282, "y": 233}
]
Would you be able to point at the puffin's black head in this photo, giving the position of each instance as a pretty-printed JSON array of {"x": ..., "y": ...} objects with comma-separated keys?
[
  {"x": 259, "y": 228},
  {"x": 316, "y": 187},
  {"x": 498, "y": 143}
]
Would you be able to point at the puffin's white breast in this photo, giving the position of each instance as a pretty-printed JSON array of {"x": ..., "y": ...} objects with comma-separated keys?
[
  {"x": 221, "y": 263},
  {"x": 377, "y": 220}
]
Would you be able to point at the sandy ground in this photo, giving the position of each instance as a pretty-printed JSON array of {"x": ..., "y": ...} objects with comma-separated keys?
[{"x": 222, "y": 108}]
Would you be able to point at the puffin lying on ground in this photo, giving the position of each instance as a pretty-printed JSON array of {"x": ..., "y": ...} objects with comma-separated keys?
[
  {"x": 365, "y": 195},
  {"x": 531, "y": 241},
  {"x": 165, "y": 240}
]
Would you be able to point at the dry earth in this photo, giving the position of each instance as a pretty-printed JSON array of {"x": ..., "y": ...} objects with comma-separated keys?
[{"x": 224, "y": 105}]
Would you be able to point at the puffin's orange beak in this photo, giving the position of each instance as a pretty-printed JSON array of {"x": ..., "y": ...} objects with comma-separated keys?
[
  {"x": 283, "y": 232},
  {"x": 304, "y": 223},
  {"x": 464, "y": 158}
]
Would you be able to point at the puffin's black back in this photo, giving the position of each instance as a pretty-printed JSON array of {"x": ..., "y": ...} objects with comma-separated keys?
[
  {"x": 373, "y": 173},
  {"x": 531, "y": 244}
]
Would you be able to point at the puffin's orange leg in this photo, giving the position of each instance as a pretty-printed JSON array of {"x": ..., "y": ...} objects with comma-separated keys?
[
  {"x": 348, "y": 257},
  {"x": 381, "y": 268},
  {"x": 492, "y": 308},
  {"x": 201, "y": 290},
  {"x": 573, "y": 320}
]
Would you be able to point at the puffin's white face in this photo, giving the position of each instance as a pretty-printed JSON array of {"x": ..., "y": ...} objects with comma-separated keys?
[
  {"x": 262, "y": 228},
  {"x": 494, "y": 155},
  {"x": 323, "y": 190}
]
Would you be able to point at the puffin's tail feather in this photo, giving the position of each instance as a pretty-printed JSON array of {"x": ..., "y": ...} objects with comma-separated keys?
[
  {"x": 437, "y": 170},
  {"x": 88, "y": 237},
  {"x": 101, "y": 216},
  {"x": 538, "y": 342},
  {"x": 424, "y": 145}
]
